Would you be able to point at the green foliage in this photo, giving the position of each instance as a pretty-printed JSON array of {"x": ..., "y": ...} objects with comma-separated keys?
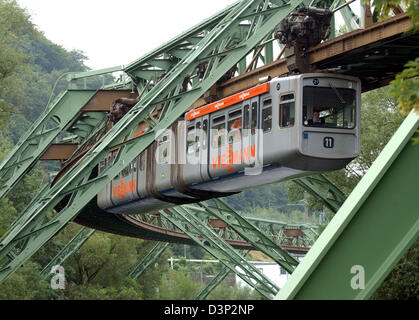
[
  {"x": 403, "y": 282},
  {"x": 26, "y": 284},
  {"x": 405, "y": 87},
  {"x": 224, "y": 292},
  {"x": 177, "y": 285}
]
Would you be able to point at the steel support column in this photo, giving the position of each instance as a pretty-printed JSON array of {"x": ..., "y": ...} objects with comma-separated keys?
[
  {"x": 70, "y": 248},
  {"x": 248, "y": 231},
  {"x": 324, "y": 190},
  {"x": 35, "y": 142},
  {"x": 148, "y": 259},
  {"x": 217, "y": 280},
  {"x": 188, "y": 222},
  {"x": 370, "y": 232}
]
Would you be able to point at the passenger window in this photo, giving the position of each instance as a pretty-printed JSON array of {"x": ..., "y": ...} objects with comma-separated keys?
[
  {"x": 190, "y": 140},
  {"x": 126, "y": 171},
  {"x": 197, "y": 143},
  {"x": 142, "y": 161},
  {"x": 164, "y": 145},
  {"x": 267, "y": 115},
  {"x": 234, "y": 126},
  {"x": 246, "y": 120},
  {"x": 205, "y": 134},
  {"x": 287, "y": 110},
  {"x": 102, "y": 165},
  {"x": 254, "y": 120},
  {"x": 218, "y": 132}
]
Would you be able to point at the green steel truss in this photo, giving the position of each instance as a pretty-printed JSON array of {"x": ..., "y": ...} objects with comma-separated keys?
[
  {"x": 370, "y": 232},
  {"x": 217, "y": 280},
  {"x": 69, "y": 249},
  {"x": 35, "y": 142},
  {"x": 221, "y": 49},
  {"x": 148, "y": 260},
  {"x": 247, "y": 231},
  {"x": 324, "y": 190},
  {"x": 197, "y": 229}
]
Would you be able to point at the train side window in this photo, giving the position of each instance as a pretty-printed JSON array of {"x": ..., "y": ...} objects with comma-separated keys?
[
  {"x": 164, "y": 145},
  {"x": 287, "y": 110},
  {"x": 218, "y": 135},
  {"x": 205, "y": 134},
  {"x": 190, "y": 140},
  {"x": 102, "y": 165},
  {"x": 197, "y": 142},
  {"x": 126, "y": 171},
  {"x": 142, "y": 161},
  {"x": 234, "y": 126},
  {"x": 254, "y": 123},
  {"x": 246, "y": 119},
  {"x": 267, "y": 115}
]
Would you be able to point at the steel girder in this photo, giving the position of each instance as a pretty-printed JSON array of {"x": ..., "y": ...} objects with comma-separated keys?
[
  {"x": 371, "y": 231},
  {"x": 196, "y": 228},
  {"x": 221, "y": 48},
  {"x": 274, "y": 230},
  {"x": 33, "y": 144},
  {"x": 247, "y": 231},
  {"x": 324, "y": 190},
  {"x": 69, "y": 249},
  {"x": 148, "y": 260},
  {"x": 217, "y": 280}
]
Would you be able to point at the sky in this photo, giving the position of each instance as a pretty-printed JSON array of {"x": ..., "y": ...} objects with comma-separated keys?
[
  {"x": 113, "y": 33},
  {"x": 117, "y": 32}
]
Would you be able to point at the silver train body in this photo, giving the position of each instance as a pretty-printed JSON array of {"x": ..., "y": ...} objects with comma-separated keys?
[{"x": 260, "y": 136}]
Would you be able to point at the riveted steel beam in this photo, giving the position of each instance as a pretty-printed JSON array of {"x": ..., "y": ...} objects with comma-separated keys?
[
  {"x": 148, "y": 259},
  {"x": 69, "y": 249},
  {"x": 324, "y": 190},
  {"x": 35, "y": 142},
  {"x": 248, "y": 231},
  {"x": 214, "y": 283},
  {"x": 370, "y": 232},
  {"x": 197, "y": 229}
]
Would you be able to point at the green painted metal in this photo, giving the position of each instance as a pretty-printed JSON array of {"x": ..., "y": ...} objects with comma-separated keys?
[
  {"x": 320, "y": 187},
  {"x": 34, "y": 143},
  {"x": 69, "y": 249},
  {"x": 224, "y": 38},
  {"x": 214, "y": 283},
  {"x": 371, "y": 231},
  {"x": 189, "y": 223},
  {"x": 248, "y": 231},
  {"x": 148, "y": 260}
]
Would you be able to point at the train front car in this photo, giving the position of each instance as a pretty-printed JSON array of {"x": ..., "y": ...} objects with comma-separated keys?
[
  {"x": 278, "y": 130},
  {"x": 327, "y": 120}
]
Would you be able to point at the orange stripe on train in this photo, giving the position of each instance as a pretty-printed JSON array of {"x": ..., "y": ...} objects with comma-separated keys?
[{"x": 226, "y": 102}]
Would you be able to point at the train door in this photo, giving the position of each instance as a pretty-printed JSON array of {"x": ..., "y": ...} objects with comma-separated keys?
[
  {"x": 124, "y": 184},
  {"x": 142, "y": 174},
  {"x": 192, "y": 171},
  {"x": 250, "y": 126},
  {"x": 235, "y": 139},
  {"x": 104, "y": 196},
  {"x": 162, "y": 162},
  {"x": 218, "y": 144},
  {"x": 203, "y": 147}
]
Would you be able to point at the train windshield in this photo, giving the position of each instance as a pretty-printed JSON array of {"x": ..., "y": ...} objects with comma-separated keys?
[{"x": 329, "y": 107}]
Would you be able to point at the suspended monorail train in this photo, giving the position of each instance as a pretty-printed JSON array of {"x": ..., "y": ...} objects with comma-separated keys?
[{"x": 281, "y": 129}]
